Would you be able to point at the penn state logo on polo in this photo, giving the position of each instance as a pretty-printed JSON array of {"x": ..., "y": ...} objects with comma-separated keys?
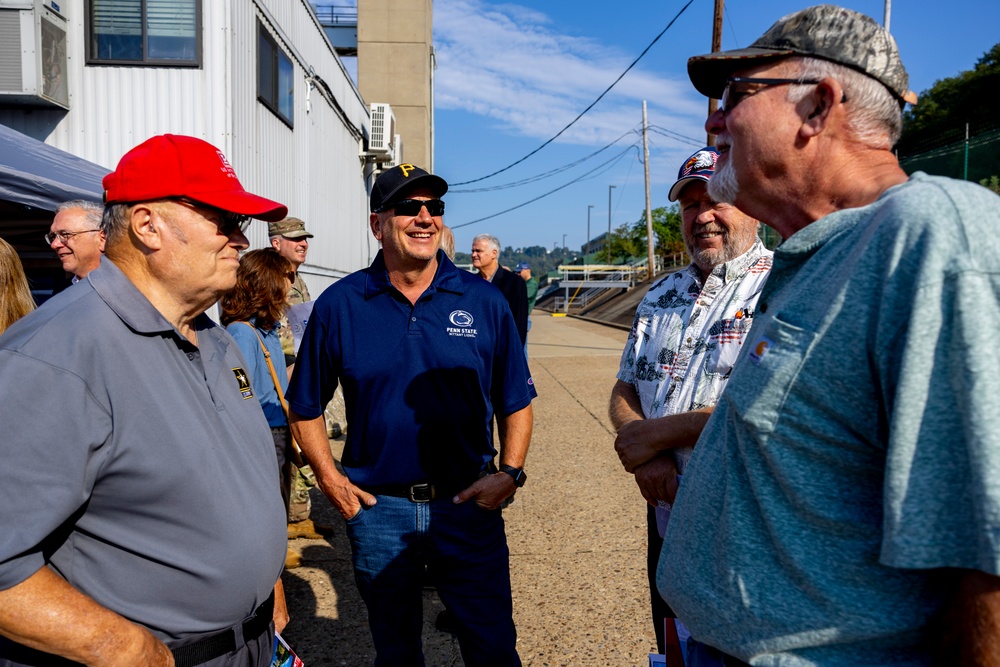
[
  {"x": 461, "y": 324},
  {"x": 243, "y": 380}
]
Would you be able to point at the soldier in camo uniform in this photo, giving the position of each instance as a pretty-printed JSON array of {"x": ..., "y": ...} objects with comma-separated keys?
[{"x": 290, "y": 238}]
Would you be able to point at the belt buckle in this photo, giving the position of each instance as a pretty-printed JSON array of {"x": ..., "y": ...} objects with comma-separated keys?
[{"x": 421, "y": 493}]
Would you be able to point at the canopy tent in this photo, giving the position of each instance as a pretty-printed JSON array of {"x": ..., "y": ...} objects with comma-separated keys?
[
  {"x": 40, "y": 176},
  {"x": 34, "y": 179}
]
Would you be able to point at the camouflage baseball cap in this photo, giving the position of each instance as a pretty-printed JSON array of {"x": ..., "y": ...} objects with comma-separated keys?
[
  {"x": 829, "y": 32},
  {"x": 290, "y": 227}
]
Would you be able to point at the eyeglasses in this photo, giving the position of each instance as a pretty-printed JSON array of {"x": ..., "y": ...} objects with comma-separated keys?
[
  {"x": 227, "y": 221},
  {"x": 732, "y": 96},
  {"x": 411, "y": 207},
  {"x": 66, "y": 236}
]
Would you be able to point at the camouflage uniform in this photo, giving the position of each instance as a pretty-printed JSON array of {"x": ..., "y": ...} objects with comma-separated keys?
[{"x": 300, "y": 479}]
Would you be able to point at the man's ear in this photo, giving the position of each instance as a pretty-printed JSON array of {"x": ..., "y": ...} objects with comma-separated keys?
[
  {"x": 375, "y": 225},
  {"x": 143, "y": 228},
  {"x": 820, "y": 104},
  {"x": 274, "y": 242}
]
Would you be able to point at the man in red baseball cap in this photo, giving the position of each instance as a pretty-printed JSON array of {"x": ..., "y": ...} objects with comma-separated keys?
[{"x": 156, "y": 534}]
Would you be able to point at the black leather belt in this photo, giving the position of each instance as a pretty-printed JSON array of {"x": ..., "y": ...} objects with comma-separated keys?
[
  {"x": 417, "y": 493},
  {"x": 224, "y": 642}
]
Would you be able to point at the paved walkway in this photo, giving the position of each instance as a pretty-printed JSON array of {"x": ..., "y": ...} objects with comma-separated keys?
[{"x": 576, "y": 532}]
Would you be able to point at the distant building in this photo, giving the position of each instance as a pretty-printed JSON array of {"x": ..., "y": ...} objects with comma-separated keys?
[{"x": 257, "y": 78}]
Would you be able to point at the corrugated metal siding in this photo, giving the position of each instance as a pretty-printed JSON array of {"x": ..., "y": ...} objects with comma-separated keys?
[{"x": 313, "y": 168}]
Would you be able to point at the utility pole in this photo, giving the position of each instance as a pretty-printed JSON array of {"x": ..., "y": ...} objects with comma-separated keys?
[
  {"x": 649, "y": 211},
  {"x": 607, "y": 241},
  {"x": 589, "y": 206},
  {"x": 716, "y": 47},
  {"x": 888, "y": 15},
  {"x": 564, "y": 243}
]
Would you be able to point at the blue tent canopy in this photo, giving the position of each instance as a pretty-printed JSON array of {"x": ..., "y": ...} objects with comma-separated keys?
[{"x": 35, "y": 174}]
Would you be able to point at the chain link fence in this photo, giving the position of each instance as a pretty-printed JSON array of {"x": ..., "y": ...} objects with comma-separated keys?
[{"x": 974, "y": 159}]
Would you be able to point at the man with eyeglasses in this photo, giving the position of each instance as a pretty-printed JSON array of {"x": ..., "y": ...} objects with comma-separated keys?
[
  {"x": 142, "y": 524},
  {"x": 486, "y": 260},
  {"x": 76, "y": 237},
  {"x": 426, "y": 355},
  {"x": 840, "y": 508},
  {"x": 685, "y": 338}
]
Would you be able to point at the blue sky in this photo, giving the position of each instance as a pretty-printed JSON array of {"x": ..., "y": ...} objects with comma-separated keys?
[{"x": 511, "y": 75}]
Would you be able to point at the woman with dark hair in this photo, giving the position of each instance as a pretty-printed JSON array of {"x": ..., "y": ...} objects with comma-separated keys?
[
  {"x": 251, "y": 311},
  {"x": 15, "y": 295}
]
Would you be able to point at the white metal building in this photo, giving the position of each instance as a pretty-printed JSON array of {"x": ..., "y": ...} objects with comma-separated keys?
[{"x": 256, "y": 78}]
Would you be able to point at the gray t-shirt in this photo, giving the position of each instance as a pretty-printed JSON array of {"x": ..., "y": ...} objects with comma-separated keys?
[
  {"x": 134, "y": 463},
  {"x": 854, "y": 458}
]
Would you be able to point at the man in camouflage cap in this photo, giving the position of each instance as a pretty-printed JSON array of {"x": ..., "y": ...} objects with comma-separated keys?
[{"x": 840, "y": 508}]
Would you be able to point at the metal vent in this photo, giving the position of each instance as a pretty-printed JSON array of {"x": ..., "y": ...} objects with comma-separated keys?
[{"x": 10, "y": 50}]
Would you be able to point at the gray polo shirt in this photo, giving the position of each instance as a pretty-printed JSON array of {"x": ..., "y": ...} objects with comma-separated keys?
[{"x": 138, "y": 466}]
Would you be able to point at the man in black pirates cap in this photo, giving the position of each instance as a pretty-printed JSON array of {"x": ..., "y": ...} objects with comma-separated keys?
[
  {"x": 427, "y": 354},
  {"x": 841, "y": 507}
]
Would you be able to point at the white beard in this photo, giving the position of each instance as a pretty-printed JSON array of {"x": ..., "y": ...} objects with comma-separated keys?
[{"x": 722, "y": 187}]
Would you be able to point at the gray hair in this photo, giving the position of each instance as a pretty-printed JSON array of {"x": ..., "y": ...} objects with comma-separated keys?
[
  {"x": 91, "y": 209},
  {"x": 873, "y": 113},
  {"x": 114, "y": 224},
  {"x": 488, "y": 239}
]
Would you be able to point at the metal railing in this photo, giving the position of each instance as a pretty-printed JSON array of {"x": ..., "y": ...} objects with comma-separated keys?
[
  {"x": 616, "y": 275},
  {"x": 331, "y": 15}
]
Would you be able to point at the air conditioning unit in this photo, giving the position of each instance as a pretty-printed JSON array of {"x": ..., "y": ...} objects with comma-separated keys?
[
  {"x": 397, "y": 153},
  {"x": 33, "y": 67},
  {"x": 383, "y": 124}
]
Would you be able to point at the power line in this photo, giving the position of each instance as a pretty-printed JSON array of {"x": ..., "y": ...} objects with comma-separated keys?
[
  {"x": 592, "y": 104},
  {"x": 592, "y": 173},
  {"x": 544, "y": 175},
  {"x": 676, "y": 136}
]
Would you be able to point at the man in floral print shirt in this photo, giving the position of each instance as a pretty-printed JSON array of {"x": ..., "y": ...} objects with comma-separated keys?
[{"x": 687, "y": 333}]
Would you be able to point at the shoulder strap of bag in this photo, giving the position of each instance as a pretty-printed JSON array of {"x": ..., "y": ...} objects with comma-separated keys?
[{"x": 277, "y": 386}]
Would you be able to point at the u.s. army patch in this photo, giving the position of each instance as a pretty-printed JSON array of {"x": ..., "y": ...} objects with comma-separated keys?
[{"x": 244, "y": 382}]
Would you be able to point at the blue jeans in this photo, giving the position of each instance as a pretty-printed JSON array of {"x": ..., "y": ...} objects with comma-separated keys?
[
  {"x": 703, "y": 655},
  {"x": 464, "y": 549}
]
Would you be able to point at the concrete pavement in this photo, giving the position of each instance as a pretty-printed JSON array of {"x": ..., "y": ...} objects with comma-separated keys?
[{"x": 576, "y": 532}]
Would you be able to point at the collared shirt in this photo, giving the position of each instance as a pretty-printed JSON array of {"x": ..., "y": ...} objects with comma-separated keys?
[
  {"x": 848, "y": 475},
  {"x": 421, "y": 381},
  {"x": 260, "y": 374},
  {"x": 137, "y": 465},
  {"x": 688, "y": 332}
]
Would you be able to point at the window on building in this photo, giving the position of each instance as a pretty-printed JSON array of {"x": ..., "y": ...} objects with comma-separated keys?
[
  {"x": 275, "y": 76},
  {"x": 144, "y": 32}
]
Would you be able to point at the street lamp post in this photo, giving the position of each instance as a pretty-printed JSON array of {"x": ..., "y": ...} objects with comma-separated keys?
[
  {"x": 589, "y": 206},
  {"x": 607, "y": 241}
]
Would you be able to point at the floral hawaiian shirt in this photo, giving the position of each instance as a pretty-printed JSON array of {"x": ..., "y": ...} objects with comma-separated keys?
[{"x": 688, "y": 332}]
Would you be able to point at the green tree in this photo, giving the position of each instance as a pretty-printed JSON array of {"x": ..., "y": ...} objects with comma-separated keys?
[{"x": 940, "y": 115}]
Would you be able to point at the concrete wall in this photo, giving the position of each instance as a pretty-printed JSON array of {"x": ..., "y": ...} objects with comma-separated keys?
[{"x": 395, "y": 65}]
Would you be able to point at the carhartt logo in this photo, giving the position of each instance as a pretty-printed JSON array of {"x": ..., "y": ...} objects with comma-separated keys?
[
  {"x": 244, "y": 383},
  {"x": 406, "y": 169},
  {"x": 759, "y": 349}
]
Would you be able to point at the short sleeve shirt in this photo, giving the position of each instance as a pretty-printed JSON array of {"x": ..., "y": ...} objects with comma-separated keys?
[
  {"x": 688, "y": 332},
  {"x": 246, "y": 336},
  {"x": 135, "y": 464},
  {"x": 421, "y": 382},
  {"x": 851, "y": 466},
  {"x": 298, "y": 293}
]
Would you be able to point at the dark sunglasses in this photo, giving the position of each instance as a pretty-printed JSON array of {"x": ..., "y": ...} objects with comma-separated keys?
[
  {"x": 738, "y": 88},
  {"x": 227, "y": 221},
  {"x": 411, "y": 207}
]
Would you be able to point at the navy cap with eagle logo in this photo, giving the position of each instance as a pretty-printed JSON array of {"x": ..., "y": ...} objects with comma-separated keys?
[
  {"x": 699, "y": 166},
  {"x": 393, "y": 184}
]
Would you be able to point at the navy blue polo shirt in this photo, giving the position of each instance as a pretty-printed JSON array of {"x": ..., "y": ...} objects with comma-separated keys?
[{"x": 421, "y": 382}]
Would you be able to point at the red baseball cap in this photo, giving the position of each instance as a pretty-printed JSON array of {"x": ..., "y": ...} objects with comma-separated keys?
[{"x": 173, "y": 165}]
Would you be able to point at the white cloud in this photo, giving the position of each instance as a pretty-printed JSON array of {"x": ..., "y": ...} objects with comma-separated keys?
[{"x": 510, "y": 64}]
